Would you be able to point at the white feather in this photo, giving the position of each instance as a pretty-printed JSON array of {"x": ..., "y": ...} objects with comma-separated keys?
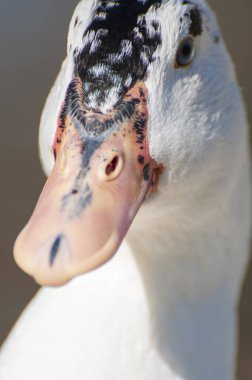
[{"x": 165, "y": 307}]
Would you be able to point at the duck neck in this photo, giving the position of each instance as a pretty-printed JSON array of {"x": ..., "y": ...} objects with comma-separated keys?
[{"x": 192, "y": 259}]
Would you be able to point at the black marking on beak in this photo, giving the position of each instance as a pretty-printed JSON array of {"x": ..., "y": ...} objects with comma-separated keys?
[
  {"x": 55, "y": 249},
  {"x": 146, "y": 172},
  {"x": 80, "y": 196},
  {"x": 140, "y": 159},
  {"x": 75, "y": 202}
]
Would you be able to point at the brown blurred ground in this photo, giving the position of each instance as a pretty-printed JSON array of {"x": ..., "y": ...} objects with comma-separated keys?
[{"x": 32, "y": 46}]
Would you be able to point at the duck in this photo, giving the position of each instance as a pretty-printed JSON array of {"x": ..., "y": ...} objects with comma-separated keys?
[{"x": 141, "y": 235}]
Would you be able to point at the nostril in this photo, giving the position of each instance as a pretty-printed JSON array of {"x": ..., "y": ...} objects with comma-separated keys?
[{"x": 111, "y": 167}]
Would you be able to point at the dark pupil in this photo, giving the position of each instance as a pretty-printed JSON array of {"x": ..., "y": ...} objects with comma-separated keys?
[
  {"x": 185, "y": 53},
  {"x": 186, "y": 50}
]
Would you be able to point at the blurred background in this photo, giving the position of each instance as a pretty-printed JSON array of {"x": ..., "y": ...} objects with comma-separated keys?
[{"x": 32, "y": 47}]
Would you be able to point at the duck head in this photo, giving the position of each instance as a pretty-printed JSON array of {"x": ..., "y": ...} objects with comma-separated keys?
[{"x": 138, "y": 91}]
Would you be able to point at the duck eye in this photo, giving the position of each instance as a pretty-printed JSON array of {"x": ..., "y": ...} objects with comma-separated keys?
[{"x": 185, "y": 52}]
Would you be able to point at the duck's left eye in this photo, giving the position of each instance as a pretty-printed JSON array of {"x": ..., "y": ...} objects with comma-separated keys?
[{"x": 185, "y": 52}]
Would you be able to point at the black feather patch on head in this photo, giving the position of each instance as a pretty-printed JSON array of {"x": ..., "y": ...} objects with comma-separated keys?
[
  {"x": 196, "y": 28},
  {"x": 118, "y": 46}
]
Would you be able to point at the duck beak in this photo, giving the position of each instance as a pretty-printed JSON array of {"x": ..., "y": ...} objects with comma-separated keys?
[{"x": 102, "y": 174}]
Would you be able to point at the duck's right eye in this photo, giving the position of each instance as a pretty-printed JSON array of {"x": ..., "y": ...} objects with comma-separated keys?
[{"x": 185, "y": 53}]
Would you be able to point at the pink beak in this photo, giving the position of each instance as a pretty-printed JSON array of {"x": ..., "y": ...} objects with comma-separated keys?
[{"x": 92, "y": 195}]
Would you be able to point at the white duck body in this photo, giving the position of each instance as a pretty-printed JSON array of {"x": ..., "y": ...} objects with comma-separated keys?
[{"x": 165, "y": 307}]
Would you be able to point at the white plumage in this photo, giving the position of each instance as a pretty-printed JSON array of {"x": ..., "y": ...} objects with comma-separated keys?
[{"x": 165, "y": 307}]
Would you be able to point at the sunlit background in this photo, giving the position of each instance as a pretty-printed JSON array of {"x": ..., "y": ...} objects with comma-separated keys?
[{"x": 32, "y": 47}]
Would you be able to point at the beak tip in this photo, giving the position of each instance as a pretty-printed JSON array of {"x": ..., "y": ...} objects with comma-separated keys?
[{"x": 46, "y": 265}]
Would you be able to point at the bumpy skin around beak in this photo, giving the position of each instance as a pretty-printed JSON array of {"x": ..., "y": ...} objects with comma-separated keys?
[{"x": 102, "y": 174}]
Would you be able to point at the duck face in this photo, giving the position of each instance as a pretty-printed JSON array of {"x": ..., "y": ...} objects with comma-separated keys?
[{"x": 135, "y": 72}]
